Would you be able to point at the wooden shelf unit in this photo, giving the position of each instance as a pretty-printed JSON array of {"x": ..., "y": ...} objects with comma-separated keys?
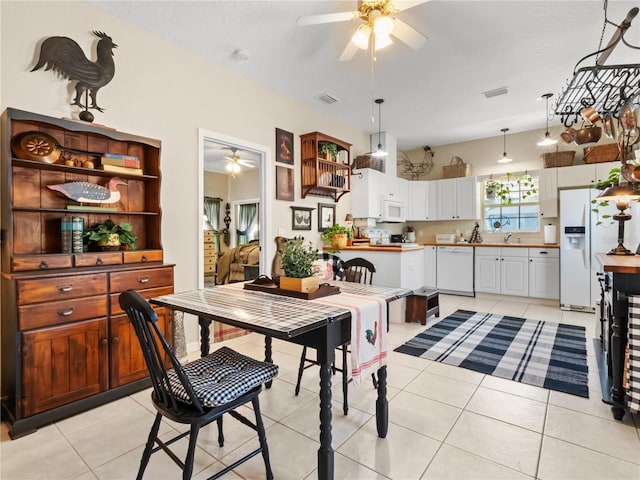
[
  {"x": 322, "y": 176},
  {"x": 66, "y": 345}
]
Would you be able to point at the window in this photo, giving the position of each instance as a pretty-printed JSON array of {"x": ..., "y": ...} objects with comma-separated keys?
[{"x": 511, "y": 204}]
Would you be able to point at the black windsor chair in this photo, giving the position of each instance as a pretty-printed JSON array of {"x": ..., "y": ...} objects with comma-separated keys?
[
  {"x": 357, "y": 270},
  {"x": 198, "y": 392}
]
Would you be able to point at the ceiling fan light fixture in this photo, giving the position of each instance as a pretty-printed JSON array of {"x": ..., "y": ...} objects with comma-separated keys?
[
  {"x": 547, "y": 136},
  {"x": 505, "y": 158},
  {"x": 361, "y": 38},
  {"x": 382, "y": 42},
  {"x": 383, "y": 26}
]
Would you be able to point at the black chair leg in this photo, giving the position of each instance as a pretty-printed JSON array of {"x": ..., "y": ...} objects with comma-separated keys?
[
  {"x": 191, "y": 453},
  {"x": 262, "y": 437},
  {"x": 146, "y": 455},
  {"x": 301, "y": 369},
  {"x": 220, "y": 432}
]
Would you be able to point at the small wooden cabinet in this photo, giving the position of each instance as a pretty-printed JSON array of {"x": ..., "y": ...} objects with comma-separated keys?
[
  {"x": 321, "y": 174},
  {"x": 66, "y": 344},
  {"x": 210, "y": 254}
]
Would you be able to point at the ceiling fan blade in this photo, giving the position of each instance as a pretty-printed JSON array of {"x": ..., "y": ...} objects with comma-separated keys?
[
  {"x": 327, "y": 18},
  {"x": 349, "y": 52},
  {"x": 404, "y": 4},
  {"x": 408, "y": 35},
  {"x": 247, "y": 163}
]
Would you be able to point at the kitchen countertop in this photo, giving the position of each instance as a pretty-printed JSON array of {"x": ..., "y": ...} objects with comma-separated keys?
[
  {"x": 500, "y": 245},
  {"x": 619, "y": 263},
  {"x": 378, "y": 248}
]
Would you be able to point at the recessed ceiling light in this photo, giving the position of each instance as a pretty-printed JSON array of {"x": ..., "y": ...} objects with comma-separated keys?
[{"x": 241, "y": 55}]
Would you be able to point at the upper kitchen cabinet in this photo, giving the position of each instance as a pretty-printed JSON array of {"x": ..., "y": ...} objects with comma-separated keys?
[
  {"x": 380, "y": 196},
  {"x": 584, "y": 175},
  {"x": 422, "y": 200},
  {"x": 325, "y": 169},
  {"x": 548, "y": 192},
  {"x": 457, "y": 199}
]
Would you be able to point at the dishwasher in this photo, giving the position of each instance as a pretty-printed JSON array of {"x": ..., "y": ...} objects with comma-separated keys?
[{"x": 455, "y": 270}]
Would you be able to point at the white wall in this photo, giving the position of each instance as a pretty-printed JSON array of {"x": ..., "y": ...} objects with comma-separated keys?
[{"x": 161, "y": 91}]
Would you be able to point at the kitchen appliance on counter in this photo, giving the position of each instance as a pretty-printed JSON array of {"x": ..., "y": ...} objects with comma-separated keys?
[
  {"x": 580, "y": 240},
  {"x": 455, "y": 270},
  {"x": 393, "y": 210}
]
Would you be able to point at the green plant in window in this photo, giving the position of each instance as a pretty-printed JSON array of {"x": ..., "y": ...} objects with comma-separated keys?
[
  {"x": 612, "y": 179},
  {"x": 527, "y": 186}
]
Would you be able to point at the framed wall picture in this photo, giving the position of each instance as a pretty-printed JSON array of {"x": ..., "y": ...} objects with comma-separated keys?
[
  {"x": 284, "y": 183},
  {"x": 301, "y": 218},
  {"x": 284, "y": 146},
  {"x": 326, "y": 216}
]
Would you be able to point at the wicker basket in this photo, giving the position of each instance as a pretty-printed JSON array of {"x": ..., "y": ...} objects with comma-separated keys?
[
  {"x": 558, "y": 159},
  {"x": 601, "y": 153},
  {"x": 456, "y": 169},
  {"x": 367, "y": 161}
]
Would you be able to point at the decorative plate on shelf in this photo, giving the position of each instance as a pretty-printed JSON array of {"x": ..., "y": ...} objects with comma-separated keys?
[{"x": 35, "y": 146}]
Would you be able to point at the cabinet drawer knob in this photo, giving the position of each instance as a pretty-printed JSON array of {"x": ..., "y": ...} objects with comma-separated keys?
[
  {"x": 65, "y": 288},
  {"x": 99, "y": 261},
  {"x": 65, "y": 312},
  {"x": 115, "y": 339},
  {"x": 43, "y": 265},
  {"x": 144, "y": 258},
  {"x": 104, "y": 341},
  {"x": 143, "y": 279}
]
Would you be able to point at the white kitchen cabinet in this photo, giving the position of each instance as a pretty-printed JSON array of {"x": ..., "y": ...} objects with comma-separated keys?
[
  {"x": 430, "y": 266},
  {"x": 422, "y": 200},
  {"x": 457, "y": 199},
  {"x": 368, "y": 186},
  {"x": 393, "y": 269},
  {"x": 502, "y": 270},
  {"x": 544, "y": 273},
  {"x": 548, "y": 192},
  {"x": 487, "y": 270},
  {"x": 514, "y": 272},
  {"x": 584, "y": 175}
]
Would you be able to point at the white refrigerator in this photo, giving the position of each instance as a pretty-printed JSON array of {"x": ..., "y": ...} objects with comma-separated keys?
[{"x": 581, "y": 239}]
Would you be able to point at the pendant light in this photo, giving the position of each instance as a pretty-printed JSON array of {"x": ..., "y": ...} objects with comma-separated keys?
[
  {"x": 547, "y": 137},
  {"x": 379, "y": 153},
  {"x": 505, "y": 158}
]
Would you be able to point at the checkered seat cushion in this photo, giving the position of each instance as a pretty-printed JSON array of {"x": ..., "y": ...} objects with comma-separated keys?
[{"x": 222, "y": 376}]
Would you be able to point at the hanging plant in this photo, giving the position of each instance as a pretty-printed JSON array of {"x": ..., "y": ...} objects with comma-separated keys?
[{"x": 612, "y": 179}]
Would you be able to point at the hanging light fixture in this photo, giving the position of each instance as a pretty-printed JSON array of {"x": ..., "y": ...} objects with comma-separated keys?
[
  {"x": 505, "y": 158},
  {"x": 379, "y": 153},
  {"x": 547, "y": 136}
]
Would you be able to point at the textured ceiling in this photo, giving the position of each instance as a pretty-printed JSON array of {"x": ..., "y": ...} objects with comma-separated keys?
[{"x": 432, "y": 95}]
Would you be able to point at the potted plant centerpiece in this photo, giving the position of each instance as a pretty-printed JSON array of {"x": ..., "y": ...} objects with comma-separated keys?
[
  {"x": 297, "y": 263},
  {"x": 109, "y": 235},
  {"x": 335, "y": 237},
  {"x": 329, "y": 150}
]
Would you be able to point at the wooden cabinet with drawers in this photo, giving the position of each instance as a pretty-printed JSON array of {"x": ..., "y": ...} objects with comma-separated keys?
[
  {"x": 66, "y": 344},
  {"x": 210, "y": 254}
]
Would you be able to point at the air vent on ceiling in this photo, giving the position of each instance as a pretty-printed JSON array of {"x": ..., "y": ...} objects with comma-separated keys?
[
  {"x": 327, "y": 98},
  {"x": 496, "y": 92}
]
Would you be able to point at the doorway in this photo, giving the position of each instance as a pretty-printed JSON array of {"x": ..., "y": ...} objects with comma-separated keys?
[{"x": 248, "y": 182}]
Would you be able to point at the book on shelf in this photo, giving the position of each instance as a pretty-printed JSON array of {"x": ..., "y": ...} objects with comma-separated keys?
[
  {"x": 66, "y": 235},
  {"x": 120, "y": 162},
  {"x": 77, "y": 228},
  {"x": 120, "y": 156},
  {"x": 119, "y": 169}
]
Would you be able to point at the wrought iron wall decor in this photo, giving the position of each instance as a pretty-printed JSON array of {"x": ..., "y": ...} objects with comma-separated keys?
[
  {"x": 65, "y": 57},
  {"x": 417, "y": 169},
  {"x": 606, "y": 88},
  {"x": 227, "y": 223}
]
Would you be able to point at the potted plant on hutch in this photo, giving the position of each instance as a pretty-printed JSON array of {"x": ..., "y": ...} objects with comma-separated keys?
[
  {"x": 110, "y": 236},
  {"x": 329, "y": 150},
  {"x": 297, "y": 263},
  {"x": 335, "y": 237}
]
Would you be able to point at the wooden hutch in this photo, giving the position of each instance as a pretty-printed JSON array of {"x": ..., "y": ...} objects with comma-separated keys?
[
  {"x": 323, "y": 175},
  {"x": 66, "y": 344}
]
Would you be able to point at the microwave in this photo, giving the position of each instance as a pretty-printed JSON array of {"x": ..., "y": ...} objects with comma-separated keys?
[{"x": 393, "y": 210}]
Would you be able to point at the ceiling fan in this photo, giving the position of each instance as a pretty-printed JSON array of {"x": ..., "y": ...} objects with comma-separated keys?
[
  {"x": 234, "y": 162},
  {"x": 378, "y": 19}
]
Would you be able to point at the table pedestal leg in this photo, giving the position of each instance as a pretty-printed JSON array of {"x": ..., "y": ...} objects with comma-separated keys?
[
  {"x": 204, "y": 336},
  {"x": 267, "y": 355},
  {"x": 382, "y": 405},
  {"x": 325, "y": 452}
]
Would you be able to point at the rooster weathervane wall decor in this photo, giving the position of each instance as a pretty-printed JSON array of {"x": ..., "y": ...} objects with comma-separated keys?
[{"x": 65, "y": 57}]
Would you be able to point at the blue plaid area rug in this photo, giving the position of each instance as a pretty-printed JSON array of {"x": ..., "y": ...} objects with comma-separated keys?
[{"x": 545, "y": 354}]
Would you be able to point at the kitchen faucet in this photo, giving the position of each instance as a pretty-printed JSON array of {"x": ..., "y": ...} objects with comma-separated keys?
[{"x": 507, "y": 237}]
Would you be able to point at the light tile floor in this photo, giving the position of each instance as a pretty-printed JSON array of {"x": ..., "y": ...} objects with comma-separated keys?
[{"x": 445, "y": 423}]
